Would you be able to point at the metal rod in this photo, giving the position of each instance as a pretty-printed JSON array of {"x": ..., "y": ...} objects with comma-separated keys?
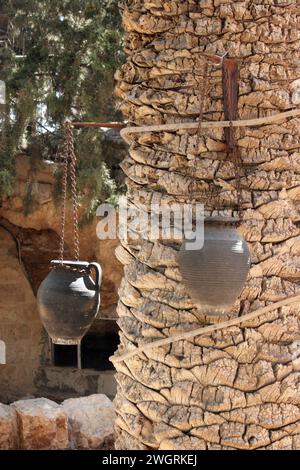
[
  {"x": 51, "y": 351},
  {"x": 79, "y": 365},
  {"x": 107, "y": 125}
]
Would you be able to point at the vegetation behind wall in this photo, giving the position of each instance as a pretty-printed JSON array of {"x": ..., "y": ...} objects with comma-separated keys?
[{"x": 58, "y": 63}]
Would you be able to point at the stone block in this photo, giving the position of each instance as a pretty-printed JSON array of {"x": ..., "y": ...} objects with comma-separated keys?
[
  {"x": 91, "y": 422},
  {"x": 42, "y": 424},
  {"x": 8, "y": 428}
]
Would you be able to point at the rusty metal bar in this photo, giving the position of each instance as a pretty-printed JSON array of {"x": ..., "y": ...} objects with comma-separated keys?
[
  {"x": 107, "y": 125},
  {"x": 79, "y": 362}
]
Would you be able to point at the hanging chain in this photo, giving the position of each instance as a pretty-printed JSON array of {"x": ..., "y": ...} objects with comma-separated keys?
[
  {"x": 74, "y": 191},
  {"x": 69, "y": 164},
  {"x": 64, "y": 197},
  {"x": 203, "y": 93},
  {"x": 230, "y": 92},
  {"x": 206, "y": 195},
  {"x": 231, "y": 97},
  {"x": 204, "y": 86},
  {"x": 238, "y": 167}
]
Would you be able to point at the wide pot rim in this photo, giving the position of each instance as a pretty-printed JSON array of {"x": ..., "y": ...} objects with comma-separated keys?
[{"x": 219, "y": 220}]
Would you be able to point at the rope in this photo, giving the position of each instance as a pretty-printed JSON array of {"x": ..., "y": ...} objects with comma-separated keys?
[
  {"x": 205, "y": 330},
  {"x": 208, "y": 124}
]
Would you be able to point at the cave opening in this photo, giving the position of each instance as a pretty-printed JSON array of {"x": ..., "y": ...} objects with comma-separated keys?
[{"x": 94, "y": 351}]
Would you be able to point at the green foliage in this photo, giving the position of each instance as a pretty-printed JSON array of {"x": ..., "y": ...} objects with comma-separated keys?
[
  {"x": 62, "y": 67},
  {"x": 7, "y": 179},
  {"x": 94, "y": 183}
]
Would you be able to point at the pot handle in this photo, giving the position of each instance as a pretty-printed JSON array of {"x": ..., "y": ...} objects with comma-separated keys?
[{"x": 98, "y": 271}]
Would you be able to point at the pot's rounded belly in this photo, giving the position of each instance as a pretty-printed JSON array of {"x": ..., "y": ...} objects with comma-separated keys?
[{"x": 67, "y": 310}]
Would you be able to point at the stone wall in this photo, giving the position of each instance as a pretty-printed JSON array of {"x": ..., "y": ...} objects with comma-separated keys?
[
  {"x": 42, "y": 424},
  {"x": 237, "y": 388},
  {"x": 20, "y": 327},
  {"x": 38, "y": 231},
  {"x": 28, "y": 243}
]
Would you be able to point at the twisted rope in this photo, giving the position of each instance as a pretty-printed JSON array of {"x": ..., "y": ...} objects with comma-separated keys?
[
  {"x": 127, "y": 131},
  {"x": 205, "y": 330}
]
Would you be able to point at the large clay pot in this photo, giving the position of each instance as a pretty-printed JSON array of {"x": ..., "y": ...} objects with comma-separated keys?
[
  {"x": 215, "y": 275},
  {"x": 69, "y": 300}
]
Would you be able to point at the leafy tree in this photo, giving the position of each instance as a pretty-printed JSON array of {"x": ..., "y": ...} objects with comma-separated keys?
[{"x": 61, "y": 67}]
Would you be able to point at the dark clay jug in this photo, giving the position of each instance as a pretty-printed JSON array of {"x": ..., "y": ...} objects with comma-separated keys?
[
  {"x": 215, "y": 274},
  {"x": 69, "y": 300}
]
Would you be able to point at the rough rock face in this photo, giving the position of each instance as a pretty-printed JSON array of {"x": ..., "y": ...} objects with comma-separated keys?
[
  {"x": 8, "y": 428},
  {"x": 38, "y": 232},
  {"x": 27, "y": 244},
  {"x": 91, "y": 422},
  {"x": 20, "y": 327},
  {"x": 237, "y": 388},
  {"x": 42, "y": 424}
]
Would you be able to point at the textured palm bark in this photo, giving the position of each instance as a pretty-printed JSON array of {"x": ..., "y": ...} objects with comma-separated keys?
[{"x": 238, "y": 388}]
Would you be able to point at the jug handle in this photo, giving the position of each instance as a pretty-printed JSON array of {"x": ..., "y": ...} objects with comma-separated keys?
[{"x": 98, "y": 271}]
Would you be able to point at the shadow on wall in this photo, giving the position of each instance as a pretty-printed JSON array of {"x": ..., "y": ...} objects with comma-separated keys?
[{"x": 20, "y": 327}]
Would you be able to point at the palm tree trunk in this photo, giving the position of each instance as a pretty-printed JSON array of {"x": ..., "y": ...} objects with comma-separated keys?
[{"x": 238, "y": 388}]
